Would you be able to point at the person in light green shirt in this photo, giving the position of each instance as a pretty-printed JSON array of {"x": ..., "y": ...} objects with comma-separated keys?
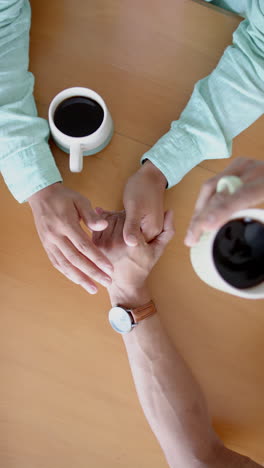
[
  {"x": 222, "y": 105},
  {"x": 28, "y": 167}
]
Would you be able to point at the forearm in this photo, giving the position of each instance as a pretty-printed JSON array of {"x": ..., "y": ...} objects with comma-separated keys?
[
  {"x": 222, "y": 105},
  {"x": 171, "y": 397},
  {"x": 26, "y": 162}
]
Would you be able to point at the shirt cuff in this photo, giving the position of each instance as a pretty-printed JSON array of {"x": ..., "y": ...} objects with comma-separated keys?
[
  {"x": 29, "y": 171},
  {"x": 174, "y": 154}
]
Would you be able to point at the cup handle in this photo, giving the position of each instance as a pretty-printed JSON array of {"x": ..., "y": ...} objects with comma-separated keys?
[{"x": 76, "y": 157}]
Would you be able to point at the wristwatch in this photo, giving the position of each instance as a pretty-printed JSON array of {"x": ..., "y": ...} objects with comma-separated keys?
[{"x": 123, "y": 320}]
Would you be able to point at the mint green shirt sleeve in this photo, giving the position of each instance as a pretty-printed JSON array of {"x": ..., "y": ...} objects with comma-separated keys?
[
  {"x": 26, "y": 162},
  {"x": 222, "y": 105}
]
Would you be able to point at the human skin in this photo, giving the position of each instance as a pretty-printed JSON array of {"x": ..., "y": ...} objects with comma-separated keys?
[
  {"x": 57, "y": 212},
  {"x": 169, "y": 394}
]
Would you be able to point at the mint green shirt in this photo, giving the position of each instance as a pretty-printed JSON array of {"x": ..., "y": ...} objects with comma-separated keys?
[
  {"x": 26, "y": 161},
  {"x": 222, "y": 105}
]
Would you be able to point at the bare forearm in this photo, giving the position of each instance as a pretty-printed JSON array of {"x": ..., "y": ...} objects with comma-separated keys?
[{"x": 171, "y": 397}]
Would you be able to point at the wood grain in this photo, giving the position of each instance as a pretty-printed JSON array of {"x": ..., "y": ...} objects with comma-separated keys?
[{"x": 67, "y": 397}]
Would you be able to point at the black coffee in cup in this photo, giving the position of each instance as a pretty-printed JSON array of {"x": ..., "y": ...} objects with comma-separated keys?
[
  {"x": 78, "y": 116},
  {"x": 238, "y": 253}
]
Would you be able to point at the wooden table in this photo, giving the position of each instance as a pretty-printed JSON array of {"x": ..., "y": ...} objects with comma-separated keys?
[{"x": 67, "y": 398}]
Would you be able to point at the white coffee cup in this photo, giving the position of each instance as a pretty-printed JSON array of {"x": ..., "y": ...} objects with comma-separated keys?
[
  {"x": 78, "y": 147},
  {"x": 202, "y": 253}
]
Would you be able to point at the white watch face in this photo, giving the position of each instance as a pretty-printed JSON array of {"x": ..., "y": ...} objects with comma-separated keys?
[{"x": 120, "y": 320}]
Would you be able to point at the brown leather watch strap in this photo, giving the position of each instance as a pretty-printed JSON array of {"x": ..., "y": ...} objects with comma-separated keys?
[{"x": 144, "y": 311}]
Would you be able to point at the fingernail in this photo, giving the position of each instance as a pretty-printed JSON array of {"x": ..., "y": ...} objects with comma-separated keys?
[
  {"x": 92, "y": 290},
  {"x": 132, "y": 240},
  {"x": 99, "y": 225}
]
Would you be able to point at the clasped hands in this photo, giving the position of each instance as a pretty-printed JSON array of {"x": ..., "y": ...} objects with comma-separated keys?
[{"x": 125, "y": 246}]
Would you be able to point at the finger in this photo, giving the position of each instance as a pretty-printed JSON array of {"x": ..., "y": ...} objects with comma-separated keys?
[
  {"x": 103, "y": 212},
  {"x": 254, "y": 174},
  {"x": 208, "y": 190},
  {"x": 85, "y": 246},
  {"x": 107, "y": 234},
  {"x": 118, "y": 233},
  {"x": 96, "y": 237},
  {"x": 99, "y": 210},
  {"x": 167, "y": 233},
  {"x": 83, "y": 264},
  {"x": 73, "y": 274},
  {"x": 152, "y": 225},
  {"x": 222, "y": 206},
  {"x": 237, "y": 168},
  {"x": 113, "y": 217},
  {"x": 131, "y": 232},
  {"x": 52, "y": 257},
  {"x": 195, "y": 227},
  {"x": 92, "y": 220},
  {"x": 201, "y": 219}
]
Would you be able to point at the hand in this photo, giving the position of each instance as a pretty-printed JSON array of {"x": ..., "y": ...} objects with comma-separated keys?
[
  {"x": 132, "y": 265},
  {"x": 143, "y": 202},
  {"x": 213, "y": 209},
  {"x": 57, "y": 212}
]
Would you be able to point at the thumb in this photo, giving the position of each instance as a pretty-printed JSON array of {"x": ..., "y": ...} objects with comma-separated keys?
[
  {"x": 131, "y": 232},
  {"x": 222, "y": 206},
  {"x": 167, "y": 233},
  {"x": 92, "y": 220},
  {"x": 250, "y": 194}
]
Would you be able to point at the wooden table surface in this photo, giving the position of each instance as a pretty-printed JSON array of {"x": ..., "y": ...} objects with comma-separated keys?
[{"x": 67, "y": 398}]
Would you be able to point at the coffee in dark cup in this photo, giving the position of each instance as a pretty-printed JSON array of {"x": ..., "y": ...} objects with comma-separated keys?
[
  {"x": 78, "y": 116},
  {"x": 238, "y": 252},
  {"x": 80, "y": 124},
  {"x": 231, "y": 258}
]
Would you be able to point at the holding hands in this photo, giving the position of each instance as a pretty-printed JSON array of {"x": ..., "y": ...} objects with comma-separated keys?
[
  {"x": 143, "y": 202},
  {"x": 134, "y": 239},
  {"x": 132, "y": 265},
  {"x": 57, "y": 212},
  {"x": 144, "y": 191}
]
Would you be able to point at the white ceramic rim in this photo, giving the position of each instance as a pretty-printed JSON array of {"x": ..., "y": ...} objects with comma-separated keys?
[{"x": 67, "y": 93}]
